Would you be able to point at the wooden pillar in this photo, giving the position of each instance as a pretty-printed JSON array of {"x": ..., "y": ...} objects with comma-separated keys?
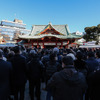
[{"x": 67, "y": 44}]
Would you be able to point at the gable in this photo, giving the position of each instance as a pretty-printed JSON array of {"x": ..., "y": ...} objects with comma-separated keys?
[{"x": 49, "y": 30}]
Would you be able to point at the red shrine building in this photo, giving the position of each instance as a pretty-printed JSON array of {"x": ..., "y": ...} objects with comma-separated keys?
[{"x": 46, "y": 36}]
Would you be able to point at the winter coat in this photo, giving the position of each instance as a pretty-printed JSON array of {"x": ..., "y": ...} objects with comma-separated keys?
[
  {"x": 80, "y": 65},
  {"x": 5, "y": 77},
  {"x": 92, "y": 64},
  {"x": 35, "y": 69},
  {"x": 51, "y": 68},
  {"x": 94, "y": 85},
  {"x": 19, "y": 70},
  {"x": 68, "y": 84},
  {"x": 98, "y": 59}
]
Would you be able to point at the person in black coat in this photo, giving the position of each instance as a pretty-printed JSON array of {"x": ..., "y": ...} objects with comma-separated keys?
[
  {"x": 19, "y": 73},
  {"x": 68, "y": 84},
  {"x": 91, "y": 62},
  {"x": 5, "y": 77},
  {"x": 51, "y": 67},
  {"x": 92, "y": 65},
  {"x": 94, "y": 85},
  {"x": 35, "y": 70},
  {"x": 80, "y": 64}
]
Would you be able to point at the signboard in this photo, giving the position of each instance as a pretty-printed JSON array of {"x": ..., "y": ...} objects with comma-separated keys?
[
  {"x": 49, "y": 43},
  {"x": 40, "y": 43},
  {"x": 58, "y": 43},
  {"x": 34, "y": 43}
]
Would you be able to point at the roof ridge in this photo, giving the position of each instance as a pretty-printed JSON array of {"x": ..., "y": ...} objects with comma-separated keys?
[
  {"x": 52, "y": 25},
  {"x": 39, "y": 25}
]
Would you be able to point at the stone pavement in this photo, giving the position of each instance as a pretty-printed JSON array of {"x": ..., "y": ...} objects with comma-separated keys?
[{"x": 43, "y": 93}]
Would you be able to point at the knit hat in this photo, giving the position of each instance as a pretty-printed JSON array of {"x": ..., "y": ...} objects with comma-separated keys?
[{"x": 71, "y": 55}]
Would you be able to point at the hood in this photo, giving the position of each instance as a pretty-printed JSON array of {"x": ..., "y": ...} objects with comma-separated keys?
[{"x": 71, "y": 76}]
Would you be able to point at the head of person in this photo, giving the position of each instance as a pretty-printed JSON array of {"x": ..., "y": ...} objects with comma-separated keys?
[
  {"x": 64, "y": 51},
  {"x": 17, "y": 50},
  {"x": 32, "y": 53},
  {"x": 98, "y": 54},
  {"x": 71, "y": 55},
  {"x": 46, "y": 52},
  {"x": 53, "y": 57},
  {"x": 6, "y": 50},
  {"x": 79, "y": 55},
  {"x": 91, "y": 54},
  {"x": 66, "y": 61},
  {"x": 56, "y": 50},
  {"x": 11, "y": 54}
]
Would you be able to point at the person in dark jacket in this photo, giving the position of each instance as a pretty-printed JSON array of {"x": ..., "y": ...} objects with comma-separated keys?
[
  {"x": 19, "y": 73},
  {"x": 67, "y": 84},
  {"x": 92, "y": 63},
  {"x": 80, "y": 64},
  {"x": 98, "y": 56},
  {"x": 5, "y": 77},
  {"x": 52, "y": 66},
  {"x": 35, "y": 70},
  {"x": 94, "y": 85},
  {"x": 45, "y": 58}
]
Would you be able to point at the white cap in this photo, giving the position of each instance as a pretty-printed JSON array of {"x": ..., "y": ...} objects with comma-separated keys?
[{"x": 71, "y": 55}]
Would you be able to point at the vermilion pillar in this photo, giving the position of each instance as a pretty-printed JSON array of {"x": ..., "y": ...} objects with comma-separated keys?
[{"x": 37, "y": 44}]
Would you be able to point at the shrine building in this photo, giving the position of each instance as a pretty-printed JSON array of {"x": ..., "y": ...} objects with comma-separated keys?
[{"x": 46, "y": 36}]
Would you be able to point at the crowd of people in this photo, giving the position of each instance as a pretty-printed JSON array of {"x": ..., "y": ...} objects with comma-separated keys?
[{"x": 68, "y": 74}]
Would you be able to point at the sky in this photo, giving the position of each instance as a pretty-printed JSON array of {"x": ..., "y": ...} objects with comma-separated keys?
[{"x": 77, "y": 14}]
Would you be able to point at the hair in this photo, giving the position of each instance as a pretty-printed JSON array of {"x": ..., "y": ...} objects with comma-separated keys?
[
  {"x": 6, "y": 50},
  {"x": 11, "y": 54},
  {"x": 52, "y": 56},
  {"x": 17, "y": 49},
  {"x": 67, "y": 60},
  {"x": 46, "y": 52},
  {"x": 64, "y": 51},
  {"x": 79, "y": 55},
  {"x": 98, "y": 54},
  {"x": 90, "y": 54}
]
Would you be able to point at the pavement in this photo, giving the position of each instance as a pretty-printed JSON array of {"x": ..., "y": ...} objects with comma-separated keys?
[{"x": 43, "y": 92}]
